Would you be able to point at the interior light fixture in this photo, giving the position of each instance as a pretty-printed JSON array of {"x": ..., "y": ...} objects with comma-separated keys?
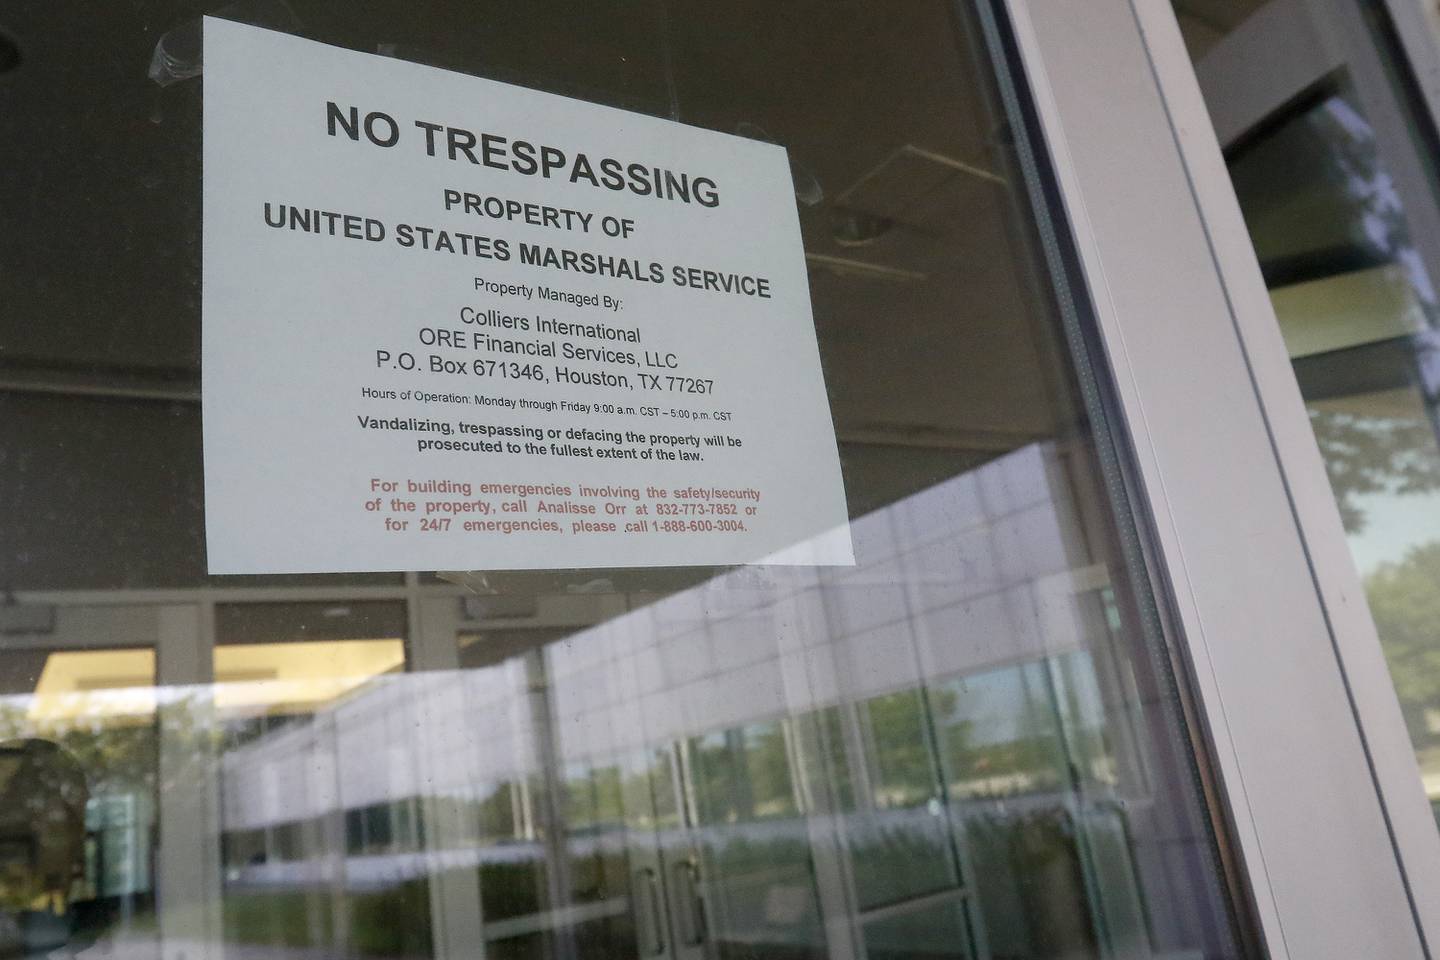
[{"x": 855, "y": 228}]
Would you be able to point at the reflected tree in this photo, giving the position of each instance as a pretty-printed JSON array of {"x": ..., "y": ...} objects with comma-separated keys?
[
  {"x": 42, "y": 824},
  {"x": 1320, "y": 202},
  {"x": 1371, "y": 455},
  {"x": 1405, "y": 602}
]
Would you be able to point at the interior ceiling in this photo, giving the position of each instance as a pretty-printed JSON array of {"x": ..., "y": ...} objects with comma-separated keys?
[
  {"x": 934, "y": 334},
  {"x": 1204, "y": 23}
]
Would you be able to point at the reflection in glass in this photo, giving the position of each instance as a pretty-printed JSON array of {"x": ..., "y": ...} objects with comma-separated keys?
[
  {"x": 945, "y": 751},
  {"x": 307, "y": 829},
  {"x": 78, "y": 772},
  {"x": 1358, "y": 311},
  {"x": 964, "y": 746},
  {"x": 767, "y": 764}
]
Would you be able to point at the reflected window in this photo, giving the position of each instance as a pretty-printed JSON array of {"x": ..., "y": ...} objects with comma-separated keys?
[
  {"x": 1359, "y": 316},
  {"x": 311, "y": 808}
]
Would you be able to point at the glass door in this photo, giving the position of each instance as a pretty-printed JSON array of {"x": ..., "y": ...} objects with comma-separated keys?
[
  {"x": 553, "y": 824},
  {"x": 977, "y": 741}
]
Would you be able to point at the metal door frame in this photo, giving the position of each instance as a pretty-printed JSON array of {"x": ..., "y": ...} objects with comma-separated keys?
[
  {"x": 1271, "y": 59},
  {"x": 1338, "y": 854}
]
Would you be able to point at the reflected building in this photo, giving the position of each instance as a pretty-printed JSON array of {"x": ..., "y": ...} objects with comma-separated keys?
[{"x": 941, "y": 751}]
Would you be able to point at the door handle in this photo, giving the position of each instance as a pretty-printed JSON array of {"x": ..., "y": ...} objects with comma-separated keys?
[
  {"x": 694, "y": 928},
  {"x": 650, "y": 915}
]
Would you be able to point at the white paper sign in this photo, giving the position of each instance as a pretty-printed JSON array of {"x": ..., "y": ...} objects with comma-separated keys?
[{"x": 451, "y": 323}]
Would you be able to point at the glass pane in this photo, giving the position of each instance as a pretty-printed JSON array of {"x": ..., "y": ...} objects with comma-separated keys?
[
  {"x": 900, "y": 840},
  {"x": 1355, "y": 301},
  {"x": 964, "y": 745},
  {"x": 300, "y": 790},
  {"x": 758, "y": 866}
]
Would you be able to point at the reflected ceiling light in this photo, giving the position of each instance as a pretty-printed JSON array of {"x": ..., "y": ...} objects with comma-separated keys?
[
  {"x": 855, "y": 228},
  {"x": 846, "y": 267},
  {"x": 179, "y": 53},
  {"x": 300, "y": 676},
  {"x": 110, "y": 685}
]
